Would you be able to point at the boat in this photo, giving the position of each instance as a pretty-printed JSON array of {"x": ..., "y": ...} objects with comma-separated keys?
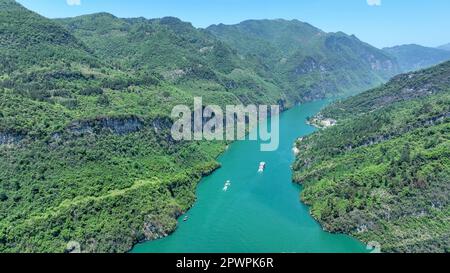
[
  {"x": 186, "y": 218},
  {"x": 262, "y": 167},
  {"x": 227, "y": 185}
]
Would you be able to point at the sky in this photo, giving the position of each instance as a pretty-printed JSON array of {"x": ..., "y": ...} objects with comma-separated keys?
[{"x": 381, "y": 23}]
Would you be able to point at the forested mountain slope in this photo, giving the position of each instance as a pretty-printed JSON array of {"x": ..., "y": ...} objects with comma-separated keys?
[
  {"x": 382, "y": 173},
  {"x": 28, "y": 39},
  {"x": 415, "y": 57},
  {"x": 85, "y": 149},
  {"x": 85, "y": 146},
  {"x": 311, "y": 61},
  {"x": 178, "y": 53}
]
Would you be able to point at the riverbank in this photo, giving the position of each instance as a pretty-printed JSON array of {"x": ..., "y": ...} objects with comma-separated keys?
[{"x": 258, "y": 212}]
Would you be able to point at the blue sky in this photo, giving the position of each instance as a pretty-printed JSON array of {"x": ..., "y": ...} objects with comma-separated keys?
[{"x": 378, "y": 22}]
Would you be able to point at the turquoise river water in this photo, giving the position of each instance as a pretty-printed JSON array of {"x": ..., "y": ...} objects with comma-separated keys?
[{"x": 260, "y": 212}]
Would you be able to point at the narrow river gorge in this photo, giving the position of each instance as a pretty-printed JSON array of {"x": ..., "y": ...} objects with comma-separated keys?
[{"x": 259, "y": 212}]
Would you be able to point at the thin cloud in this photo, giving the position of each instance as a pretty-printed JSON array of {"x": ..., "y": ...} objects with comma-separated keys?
[
  {"x": 73, "y": 2},
  {"x": 374, "y": 2}
]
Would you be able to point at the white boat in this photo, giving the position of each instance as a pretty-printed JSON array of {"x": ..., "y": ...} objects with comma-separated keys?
[
  {"x": 262, "y": 167},
  {"x": 227, "y": 185}
]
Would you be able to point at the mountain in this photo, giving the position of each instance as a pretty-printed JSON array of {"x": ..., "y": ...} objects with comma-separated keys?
[
  {"x": 316, "y": 63},
  {"x": 382, "y": 173},
  {"x": 414, "y": 57},
  {"x": 178, "y": 53},
  {"x": 28, "y": 39},
  {"x": 86, "y": 154},
  {"x": 445, "y": 47},
  {"x": 155, "y": 44}
]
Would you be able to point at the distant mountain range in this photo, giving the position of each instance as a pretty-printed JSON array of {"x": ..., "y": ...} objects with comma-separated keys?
[
  {"x": 304, "y": 61},
  {"x": 414, "y": 57},
  {"x": 309, "y": 59},
  {"x": 445, "y": 47}
]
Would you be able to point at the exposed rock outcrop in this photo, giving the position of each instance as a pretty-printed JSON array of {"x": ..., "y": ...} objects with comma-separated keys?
[{"x": 119, "y": 126}]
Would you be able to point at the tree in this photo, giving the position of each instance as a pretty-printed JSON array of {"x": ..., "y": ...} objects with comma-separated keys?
[
  {"x": 91, "y": 91},
  {"x": 103, "y": 100},
  {"x": 3, "y": 197},
  {"x": 406, "y": 154}
]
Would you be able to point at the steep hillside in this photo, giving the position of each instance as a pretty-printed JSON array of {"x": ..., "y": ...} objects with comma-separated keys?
[
  {"x": 382, "y": 173},
  {"x": 312, "y": 62},
  {"x": 85, "y": 149},
  {"x": 415, "y": 57},
  {"x": 157, "y": 44},
  {"x": 86, "y": 154},
  {"x": 179, "y": 53},
  {"x": 28, "y": 39}
]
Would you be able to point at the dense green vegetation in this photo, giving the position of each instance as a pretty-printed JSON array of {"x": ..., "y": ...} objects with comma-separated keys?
[
  {"x": 85, "y": 146},
  {"x": 178, "y": 53},
  {"x": 382, "y": 174},
  {"x": 85, "y": 149},
  {"x": 315, "y": 63},
  {"x": 415, "y": 57},
  {"x": 38, "y": 44}
]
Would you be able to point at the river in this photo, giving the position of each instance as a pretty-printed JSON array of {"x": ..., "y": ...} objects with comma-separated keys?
[{"x": 259, "y": 213}]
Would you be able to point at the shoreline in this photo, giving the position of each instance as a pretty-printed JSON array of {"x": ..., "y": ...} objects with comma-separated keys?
[{"x": 205, "y": 176}]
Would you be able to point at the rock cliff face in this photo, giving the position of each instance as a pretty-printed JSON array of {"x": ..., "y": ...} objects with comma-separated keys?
[
  {"x": 116, "y": 125},
  {"x": 119, "y": 126}
]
